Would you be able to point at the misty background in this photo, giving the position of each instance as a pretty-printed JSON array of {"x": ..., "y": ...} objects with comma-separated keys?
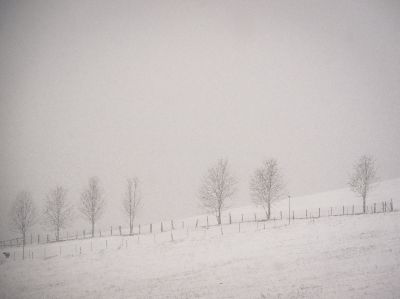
[{"x": 162, "y": 89}]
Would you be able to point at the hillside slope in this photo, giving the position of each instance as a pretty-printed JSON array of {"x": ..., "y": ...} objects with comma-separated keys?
[{"x": 349, "y": 256}]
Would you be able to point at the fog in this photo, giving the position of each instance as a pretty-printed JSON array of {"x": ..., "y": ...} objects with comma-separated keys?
[{"x": 162, "y": 89}]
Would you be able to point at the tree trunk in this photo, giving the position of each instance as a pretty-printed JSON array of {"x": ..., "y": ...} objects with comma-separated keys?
[
  {"x": 219, "y": 216},
  {"x": 269, "y": 210},
  {"x": 130, "y": 225},
  {"x": 364, "y": 204},
  {"x": 58, "y": 234},
  {"x": 92, "y": 229},
  {"x": 23, "y": 245}
]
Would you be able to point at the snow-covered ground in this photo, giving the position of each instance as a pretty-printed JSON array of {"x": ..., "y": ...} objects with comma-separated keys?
[{"x": 330, "y": 257}]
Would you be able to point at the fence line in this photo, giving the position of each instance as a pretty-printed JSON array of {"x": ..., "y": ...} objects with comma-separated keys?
[{"x": 201, "y": 222}]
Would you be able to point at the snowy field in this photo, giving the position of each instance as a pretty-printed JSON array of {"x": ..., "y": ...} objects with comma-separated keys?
[
  {"x": 350, "y": 257},
  {"x": 330, "y": 257}
]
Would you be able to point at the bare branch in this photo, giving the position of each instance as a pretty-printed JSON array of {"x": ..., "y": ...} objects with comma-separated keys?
[
  {"x": 218, "y": 185},
  {"x": 23, "y": 216},
  {"x": 132, "y": 200},
  {"x": 363, "y": 177},
  {"x": 57, "y": 211},
  {"x": 92, "y": 202},
  {"x": 266, "y": 185}
]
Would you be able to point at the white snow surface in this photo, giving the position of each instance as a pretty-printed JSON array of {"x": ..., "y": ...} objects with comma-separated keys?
[{"x": 354, "y": 256}]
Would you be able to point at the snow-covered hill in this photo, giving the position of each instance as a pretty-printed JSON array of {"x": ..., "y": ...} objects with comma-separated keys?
[{"x": 329, "y": 257}]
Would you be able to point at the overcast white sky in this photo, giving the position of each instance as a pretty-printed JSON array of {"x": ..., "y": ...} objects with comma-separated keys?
[{"x": 162, "y": 89}]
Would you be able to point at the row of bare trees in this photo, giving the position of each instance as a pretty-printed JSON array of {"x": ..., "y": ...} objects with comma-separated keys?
[
  {"x": 218, "y": 186},
  {"x": 267, "y": 185},
  {"x": 58, "y": 210}
]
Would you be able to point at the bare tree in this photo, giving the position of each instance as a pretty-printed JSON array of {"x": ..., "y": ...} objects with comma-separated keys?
[
  {"x": 364, "y": 175},
  {"x": 266, "y": 185},
  {"x": 218, "y": 185},
  {"x": 92, "y": 202},
  {"x": 131, "y": 201},
  {"x": 57, "y": 210},
  {"x": 23, "y": 216}
]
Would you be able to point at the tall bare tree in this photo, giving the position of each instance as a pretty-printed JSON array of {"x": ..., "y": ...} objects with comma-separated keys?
[
  {"x": 57, "y": 210},
  {"x": 266, "y": 185},
  {"x": 217, "y": 187},
  {"x": 23, "y": 216},
  {"x": 131, "y": 201},
  {"x": 363, "y": 176},
  {"x": 92, "y": 202}
]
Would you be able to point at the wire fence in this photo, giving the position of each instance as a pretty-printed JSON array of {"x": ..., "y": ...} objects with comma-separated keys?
[{"x": 46, "y": 246}]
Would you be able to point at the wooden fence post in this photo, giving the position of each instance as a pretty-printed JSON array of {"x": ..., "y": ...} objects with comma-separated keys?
[
  {"x": 38, "y": 238},
  {"x": 391, "y": 205},
  {"x": 343, "y": 211},
  {"x": 293, "y": 215},
  {"x": 197, "y": 223},
  {"x": 172, "y": 224},
  {"x": 239, "y": 227},
  {"x": 230, "y": 218},
  {"x": 352, "y": 210},
  {"x": 111, "y": 230},
  {"x": 139, "y": 229},
  {"x": 207, "y": 222},
  {"x": 31, "y": 239},
  {"x": 242, "y": 217},
  {"x": 319, "y": 212},
  {"x": 331, "y": 212},
  {"x": 100, "y": 233},
  {"x": 162, "y": 228},
  {"x": 151, "y": 228},
  {"x": 306, "y": 214},
  {"x": 47, "y": 238},
  {"x": 281, "y": 215},
  {"x": 120, "y": 230},
  {"x": 374, "y": 207}
]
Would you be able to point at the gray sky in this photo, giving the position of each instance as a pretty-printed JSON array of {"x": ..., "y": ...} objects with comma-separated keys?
[{"x": 162, "y": 89}]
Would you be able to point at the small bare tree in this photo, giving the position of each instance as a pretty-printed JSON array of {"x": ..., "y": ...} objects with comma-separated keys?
[
  {"x": 218, "y": 185},
  {"x": 23, "y": 216},
  {"x": 57, "y": 210},
  {"x": 92, "y": 202},
  {"x": 364, "y": 175},
  {"x": 266, "y": 185},
  {"x": 131, "y": 201}
]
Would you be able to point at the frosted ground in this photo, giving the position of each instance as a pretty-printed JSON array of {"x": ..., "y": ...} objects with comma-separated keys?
[{"x": 330, "y": 257}]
